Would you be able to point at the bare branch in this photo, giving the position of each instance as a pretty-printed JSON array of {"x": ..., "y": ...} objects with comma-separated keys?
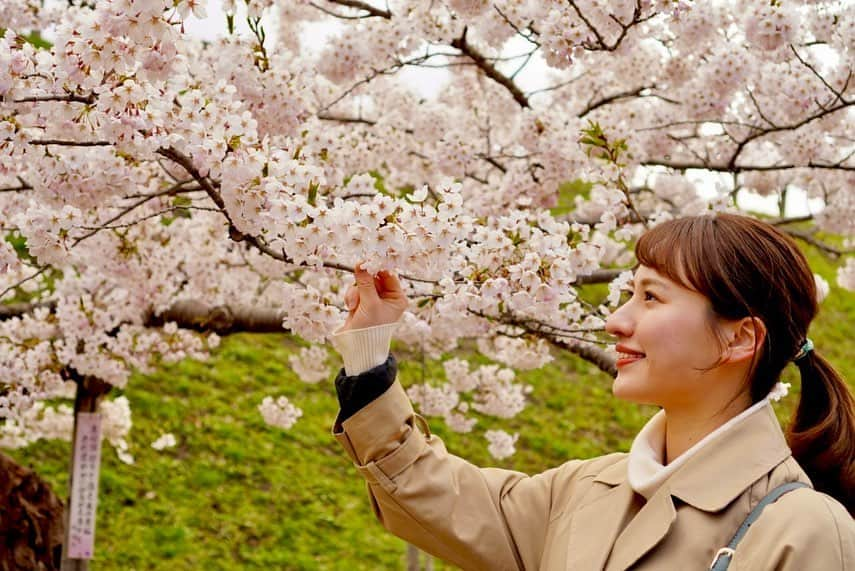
[
  {"x": 793, "y": 220},
  {"x": 106, "y": 224},
  {"x": 23, "y": 281},
  {"x": 807, "y": 237},
  {"x": 638, "y": 92},
  {"x": 793, "y": 127},
  {"x": 219, "y": 319},
  {"x": 24, "y": 185},
  {"x": 489, "y": 69},
  {"x": 337, "y": 15},
  {"x": 71, "y": 98},
  {"x": 601, "y": 44},
  {"x": 599, "y": 276},
  {"x": 345, "y": 119},
  {"x": 570, "y": 81},
  {"x": 372, "y": 10},
  {"x": 64, "y": 143},
  {"x": 838, "y": 94},
  {"x": 587, "y": 351},
  {"x": 521, "y": 33},
  {"x": 678, "y": 165},
  {"x": 10, "y": 310}
]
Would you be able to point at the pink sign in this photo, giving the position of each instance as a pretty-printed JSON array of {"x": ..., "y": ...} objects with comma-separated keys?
[{"x": 84, "y": 486}]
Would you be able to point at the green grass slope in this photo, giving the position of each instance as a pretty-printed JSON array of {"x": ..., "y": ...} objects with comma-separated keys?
[{"x": 238, "y": 494}]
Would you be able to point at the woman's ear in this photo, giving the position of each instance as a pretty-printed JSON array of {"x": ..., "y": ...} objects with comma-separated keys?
[{"x": 746, "y": 337}]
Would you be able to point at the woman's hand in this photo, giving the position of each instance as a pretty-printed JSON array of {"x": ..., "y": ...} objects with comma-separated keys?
[{"x": 373, "y": 300}]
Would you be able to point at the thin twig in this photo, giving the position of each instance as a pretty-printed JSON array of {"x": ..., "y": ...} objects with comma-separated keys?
[{"x": 23, "y": 281}]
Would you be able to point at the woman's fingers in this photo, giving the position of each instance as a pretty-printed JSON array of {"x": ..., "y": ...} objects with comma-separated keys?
[
  {"x": 351, "y": 297},
  {"x": 365, "y": 283},
  {"x": 388, "y": 284}
]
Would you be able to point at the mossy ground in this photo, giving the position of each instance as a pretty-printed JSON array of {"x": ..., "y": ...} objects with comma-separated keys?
[{"x": 238, "y": 494}]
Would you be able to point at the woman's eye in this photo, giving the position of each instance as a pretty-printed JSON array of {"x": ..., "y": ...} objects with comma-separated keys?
[{"x": 649, "y": 296}]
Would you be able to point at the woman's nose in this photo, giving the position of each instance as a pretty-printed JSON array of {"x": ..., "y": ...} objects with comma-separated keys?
[{"x": 619, "y": 323}]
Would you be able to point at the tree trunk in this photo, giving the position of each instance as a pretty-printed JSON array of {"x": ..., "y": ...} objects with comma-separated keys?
[{"x": 31, "y": 517}]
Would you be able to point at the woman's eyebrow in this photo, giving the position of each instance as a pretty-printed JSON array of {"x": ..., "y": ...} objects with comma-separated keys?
[{"x": 650, "y": 281}]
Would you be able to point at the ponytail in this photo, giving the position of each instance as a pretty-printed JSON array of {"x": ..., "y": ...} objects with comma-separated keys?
[{"x": 822, "y": 430}]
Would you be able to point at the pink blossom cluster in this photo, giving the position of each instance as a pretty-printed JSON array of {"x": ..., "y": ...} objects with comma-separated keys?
[
  {"x": 279, "y": 412},
  {"x": 310, "y": 364},
  {"x": 488, "y": 390}
]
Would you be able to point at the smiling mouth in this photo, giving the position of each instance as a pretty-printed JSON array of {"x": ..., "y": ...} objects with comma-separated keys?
[{"x": 627, "y": 358}]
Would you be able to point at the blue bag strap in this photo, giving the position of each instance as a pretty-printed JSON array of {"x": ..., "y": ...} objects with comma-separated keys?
[{"x": 722, "y": 558}]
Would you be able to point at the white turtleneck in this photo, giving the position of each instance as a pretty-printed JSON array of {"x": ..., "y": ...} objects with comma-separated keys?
[{"x": 646, "y": 470}]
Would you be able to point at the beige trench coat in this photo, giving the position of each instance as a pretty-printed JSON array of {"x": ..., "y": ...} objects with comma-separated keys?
[{"x": 584, "y": 516}]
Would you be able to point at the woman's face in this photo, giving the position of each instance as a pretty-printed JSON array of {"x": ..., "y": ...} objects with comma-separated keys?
[{"x": 670, "y": 326}]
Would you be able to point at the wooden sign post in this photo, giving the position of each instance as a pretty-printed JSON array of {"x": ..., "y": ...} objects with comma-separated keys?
[{"x": 79, "y": 515}]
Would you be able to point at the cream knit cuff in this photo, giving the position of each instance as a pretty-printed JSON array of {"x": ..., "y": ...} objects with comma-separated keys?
[{"x": 363, "y": 349}]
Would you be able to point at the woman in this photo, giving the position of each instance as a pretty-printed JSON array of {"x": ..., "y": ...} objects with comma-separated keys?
[{"x": 720, "y": 305}]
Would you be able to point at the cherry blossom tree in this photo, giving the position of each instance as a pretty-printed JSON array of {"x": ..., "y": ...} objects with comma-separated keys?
[{"x": 159, "y": 191}]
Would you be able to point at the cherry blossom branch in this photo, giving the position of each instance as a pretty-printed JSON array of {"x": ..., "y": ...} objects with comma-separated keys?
[
  {"x": 808, "y": 238},
  {"x": 337, "y": 15},
  {"x": 11, "y": 310},
  {"x": 838, "y": 94},
  {"x": 219, "y": 319},
  {"x": 683, "y": 165},
  {"x": 601, "y": 43},
  {"x": 96, "y": 229},
  {"x": 793, "y": 220},
  {"x": 489, "y": 69},
  {"x": 639, "y": 92},
  {"x": 71, "y": 98},
  {"x": 527, "y": 37},
  {"x": 564, "y": 339},
  {"x": 345, "y": 119},
  {"x": 763, "y": 132},
  {"x": 174, "y": 189},
  {"x": 238, "y": 236},
  {"x": 23, "y": 281},
  {"x": 599, "y": 276},
  {"x": 557, "y": 86},
  {"x": 24, "y": 185},
  {"x": 586, "y": 351},
  {"x": 372, "y": 10},
  {"x": 16, "y": 188},
  {"x": 63, "y": 143}
]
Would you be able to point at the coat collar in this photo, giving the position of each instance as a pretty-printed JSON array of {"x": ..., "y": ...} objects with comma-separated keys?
[
  {"x": 722, "y": 470},
  {"x": 725, "y": 466}
]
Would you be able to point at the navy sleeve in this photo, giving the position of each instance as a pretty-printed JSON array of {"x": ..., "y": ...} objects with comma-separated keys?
[{"x": 357, "y": 391}]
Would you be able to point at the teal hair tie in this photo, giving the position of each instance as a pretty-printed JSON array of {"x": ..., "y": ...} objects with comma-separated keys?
[{"x": 806, "y": 348}]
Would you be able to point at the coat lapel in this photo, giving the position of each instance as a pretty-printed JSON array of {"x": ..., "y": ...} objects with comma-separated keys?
[
  {"x": 595, "y": 526},
  {"x": 649, "y": 526}
]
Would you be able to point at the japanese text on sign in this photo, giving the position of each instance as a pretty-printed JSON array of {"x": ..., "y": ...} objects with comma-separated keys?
[{"x": 84, "y": 486}]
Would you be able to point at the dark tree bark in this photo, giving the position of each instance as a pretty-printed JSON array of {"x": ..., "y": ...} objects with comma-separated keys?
[{"x": 31, "y": 526}]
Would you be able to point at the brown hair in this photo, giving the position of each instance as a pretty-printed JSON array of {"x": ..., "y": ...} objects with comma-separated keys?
[{"x": 748, "y": 268}]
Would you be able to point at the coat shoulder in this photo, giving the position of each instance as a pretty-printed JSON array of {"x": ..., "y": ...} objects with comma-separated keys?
[
  {"x": 575, "y": 479},
  {"x": 593, "y": 468},
  {"x": 803, "y": 527}
]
